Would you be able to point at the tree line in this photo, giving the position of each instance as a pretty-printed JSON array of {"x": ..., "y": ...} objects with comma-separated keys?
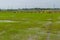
[{"x": 31, "y": 9}]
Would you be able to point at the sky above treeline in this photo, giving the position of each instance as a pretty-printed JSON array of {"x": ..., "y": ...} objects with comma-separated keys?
[{"x": 14, "y": 4}]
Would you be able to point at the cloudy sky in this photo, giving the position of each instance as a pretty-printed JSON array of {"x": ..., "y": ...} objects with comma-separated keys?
[{"x": 4, "y": 4}]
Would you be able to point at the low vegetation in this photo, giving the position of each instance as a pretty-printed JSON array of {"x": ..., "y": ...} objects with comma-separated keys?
[{"x": 30, "y": 25}]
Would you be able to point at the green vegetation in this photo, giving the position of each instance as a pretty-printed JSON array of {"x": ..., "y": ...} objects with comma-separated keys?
[{"x": 30, "y": 25}]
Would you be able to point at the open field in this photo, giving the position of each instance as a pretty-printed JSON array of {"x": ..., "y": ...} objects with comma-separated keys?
[{"x": 29, "y": 25}]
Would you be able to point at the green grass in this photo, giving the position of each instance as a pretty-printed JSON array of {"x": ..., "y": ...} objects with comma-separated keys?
[{"x": 30, "y": 26}]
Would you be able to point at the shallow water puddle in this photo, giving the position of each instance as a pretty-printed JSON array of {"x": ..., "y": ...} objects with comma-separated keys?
[{"x": 7, "y": 21}]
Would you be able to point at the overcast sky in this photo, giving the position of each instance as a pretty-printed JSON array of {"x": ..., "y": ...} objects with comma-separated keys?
[{"x": 4, "y": 4}]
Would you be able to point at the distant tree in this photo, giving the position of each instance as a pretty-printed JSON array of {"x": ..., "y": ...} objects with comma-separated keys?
[{"x": 0, "y": 9}]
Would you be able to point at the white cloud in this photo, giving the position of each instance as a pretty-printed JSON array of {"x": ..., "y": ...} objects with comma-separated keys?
[{"x": 28, "y": 3}]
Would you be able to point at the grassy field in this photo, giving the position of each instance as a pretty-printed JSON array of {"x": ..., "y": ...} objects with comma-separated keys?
[{"x": 30, "y": 25}]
